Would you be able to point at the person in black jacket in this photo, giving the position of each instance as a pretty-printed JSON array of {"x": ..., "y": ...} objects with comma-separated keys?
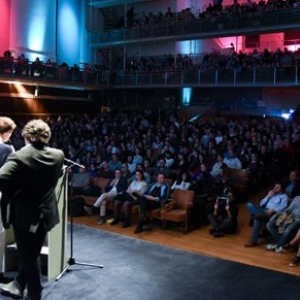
[
  {"x": 292, "y": 185},
  {"x": 224, "y": 216},
  {"x": 27, "y": 181},
  {"x": 7, "y": 126}
]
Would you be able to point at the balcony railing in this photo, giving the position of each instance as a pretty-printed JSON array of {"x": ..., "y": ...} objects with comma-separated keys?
[
  {"x": 268, "y": 76},
  {"x": 92, "y": 79},
  {"x": 270, "y": 21}
]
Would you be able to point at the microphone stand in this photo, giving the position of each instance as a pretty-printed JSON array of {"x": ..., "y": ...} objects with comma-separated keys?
[{"x": 71, "y": 260}]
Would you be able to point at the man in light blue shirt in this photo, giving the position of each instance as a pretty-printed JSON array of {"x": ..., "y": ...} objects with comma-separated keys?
[
  {"x": 276, "y": 201},
  {"x": 232, "y": 161}
]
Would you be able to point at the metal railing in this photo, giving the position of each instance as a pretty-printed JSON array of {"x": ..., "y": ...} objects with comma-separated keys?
[
  {"x": 269, "y": 21},
  {"x": 262, "y": 76},
  {"x": 256, "y": 76}
]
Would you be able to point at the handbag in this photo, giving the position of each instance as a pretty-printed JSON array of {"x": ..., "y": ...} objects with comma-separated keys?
[{"x": 169, "y": 205}]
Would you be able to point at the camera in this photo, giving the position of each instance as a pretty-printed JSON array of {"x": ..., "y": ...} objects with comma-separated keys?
[{"x": 222, "y": 200}]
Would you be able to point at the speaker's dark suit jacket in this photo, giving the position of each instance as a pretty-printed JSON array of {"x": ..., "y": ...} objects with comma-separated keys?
[{"x": 28, "y": 180}]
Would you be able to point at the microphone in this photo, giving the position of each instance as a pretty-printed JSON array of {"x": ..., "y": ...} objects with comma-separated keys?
[{"x": 73, "y": 163}]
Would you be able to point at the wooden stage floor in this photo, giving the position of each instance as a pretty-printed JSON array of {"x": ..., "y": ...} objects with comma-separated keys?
[{"x": 230, "y": 247}]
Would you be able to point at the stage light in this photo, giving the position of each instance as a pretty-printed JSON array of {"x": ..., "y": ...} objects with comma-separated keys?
[
  {"x": 68, "y": 27},
  {"x": 36, "y": 91},
  {"x": 37, "y": 28}
]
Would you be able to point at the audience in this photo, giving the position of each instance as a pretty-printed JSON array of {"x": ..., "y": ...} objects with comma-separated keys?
[{"x": 78, "y": 136}]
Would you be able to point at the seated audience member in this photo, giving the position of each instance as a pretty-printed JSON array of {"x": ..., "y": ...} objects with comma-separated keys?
[
  {"x": 180, "y": 164},
  {"x": 169, "y": 159},
  {"x": 283, "y": 226},
  {"x": 137, "y": 158},
  {"x": 224, "y": 217},
  {"x": 216, "y": 170},
  {"x": 161, "y": 168},
  {"x": 151, "y": 199},
  {"x": 80, "y": 181},
  {"x": 126, "y": 174},
  {"x": 93, "y": 172},
  {"x": 36, "y": 67},
  {"x": 116, "y": 185},
  {"x": 183, "y": 181},
  {"x": 105, "y": 171},
  {"x": 292, "y": 185},
  {"x": 137, "y": 186},
  {"x": 142, "y": 168},
  {"x": 131, "y": 165},
  {"x": 274, "y": 202},
  {"x": 232, "y": 161},
  {"x": 149, "y": 156},
  {"x": 294, "y": 243},
  {"x": 115, "y": 164},
  {"x": 148, "y": 168}
]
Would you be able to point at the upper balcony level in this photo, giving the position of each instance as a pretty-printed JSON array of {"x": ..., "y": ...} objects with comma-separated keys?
[
  {"x": 200, "y": 28},
  {"x": 96, "y": 79}
]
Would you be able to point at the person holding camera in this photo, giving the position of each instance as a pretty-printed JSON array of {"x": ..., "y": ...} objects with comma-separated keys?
[{"x": 224, "y": 216}]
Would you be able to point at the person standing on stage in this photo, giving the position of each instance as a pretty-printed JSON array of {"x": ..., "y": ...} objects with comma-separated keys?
[
  {"x": 28, "y": 180},
  {"x": 7, "y": 126}
]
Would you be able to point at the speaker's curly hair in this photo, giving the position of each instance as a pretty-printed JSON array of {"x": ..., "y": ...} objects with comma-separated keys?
[{"x": 37, "y": 131}]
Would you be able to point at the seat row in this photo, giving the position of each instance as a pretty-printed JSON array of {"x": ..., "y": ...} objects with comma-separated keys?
[{"x": 182, "y": 201}]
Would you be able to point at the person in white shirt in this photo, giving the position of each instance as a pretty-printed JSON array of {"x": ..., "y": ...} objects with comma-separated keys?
[
  {"x": 127, "y": 198},
  {"x": 131, "y": 165},
  {"x": 232, "y": 161},
  {"x": 183, "y": 181},
  {"x": 219, "y": 138},
  {"x": 217, "y": 167}
]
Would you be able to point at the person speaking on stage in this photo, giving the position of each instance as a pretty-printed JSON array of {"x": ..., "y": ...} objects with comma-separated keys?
[
  {"x": 7, "y": 126},
  {"x": 28, "y": 180}
]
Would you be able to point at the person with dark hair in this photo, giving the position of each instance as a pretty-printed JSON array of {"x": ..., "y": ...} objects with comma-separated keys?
[
  {"x": 224, "y": 216},
  {"x": 292, "y": 185},
  {"x": 151, "y": 199},
  {"x": 7, "y": 126},
  {"x": 161, "y": 168},
  {"x": 28, "y": 180},
  {"x": 127, "y": 198},
  {"x": 183, "y": 181},
  {"x": 274, "y": 202}
]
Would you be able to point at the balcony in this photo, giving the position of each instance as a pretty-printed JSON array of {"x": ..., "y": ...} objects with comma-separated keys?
[
  {"x": 91, "y": 79},
  {"x": 252, "y": 77},
  {"x": 232, "y": 25}
]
